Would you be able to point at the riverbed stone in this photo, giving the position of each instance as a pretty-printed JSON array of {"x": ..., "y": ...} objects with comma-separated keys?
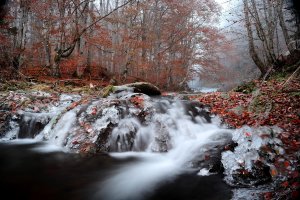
[{"x": 138, "y": 87}]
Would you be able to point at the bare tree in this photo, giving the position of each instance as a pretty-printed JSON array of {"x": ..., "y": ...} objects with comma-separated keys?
[{"x": 263, "y": 20}]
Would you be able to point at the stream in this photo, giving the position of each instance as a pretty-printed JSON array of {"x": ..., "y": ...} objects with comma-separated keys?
[{"x": 125, "y": 147}]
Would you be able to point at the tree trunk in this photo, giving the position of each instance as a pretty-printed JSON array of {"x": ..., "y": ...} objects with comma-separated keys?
[
  {"x": 252, "y": 50},
  {"x": 283, "y": 26}
]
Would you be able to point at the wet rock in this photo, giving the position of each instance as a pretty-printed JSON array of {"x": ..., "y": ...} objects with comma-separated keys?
[
  {"x": 123, "y": 136},
  {"x": 145, "y": 88},
  {"x": 210, "y": 158},
  {"x": 111, "y": 124},
  {"x": 259, "y": 174},
  {"x": 161, "y": 139},
  {"x": 31, "y": 124},
  {"x": 196, "y": 109},
  {"x": 138, "y": 87},
  {"x": 106, "y": 91},
  {"x": 4, "y": 122},
  {"x": 251, "y": 160},
  {"x": 124, "y": 121},
  {"x": 246, "y": 88}
]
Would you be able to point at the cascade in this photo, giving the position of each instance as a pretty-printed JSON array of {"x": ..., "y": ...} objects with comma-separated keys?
[{"x": 165, "y": 137}]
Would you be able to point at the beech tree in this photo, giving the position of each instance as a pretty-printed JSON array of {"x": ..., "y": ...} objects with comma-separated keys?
[
  {"x": 266, "y": 24},
  {"x": 162, "y": 41}
]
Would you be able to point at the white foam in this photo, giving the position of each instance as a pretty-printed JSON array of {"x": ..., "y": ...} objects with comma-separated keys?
[
  {"x": 185, "y": 141},
  {"x": 204, "y": 172},
  {"x": 48, "y": 148}
]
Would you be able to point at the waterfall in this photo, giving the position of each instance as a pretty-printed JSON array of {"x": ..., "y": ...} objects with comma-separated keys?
[
  {"x": 163, "y": 137},
  {"x": 171, "y": 131}
]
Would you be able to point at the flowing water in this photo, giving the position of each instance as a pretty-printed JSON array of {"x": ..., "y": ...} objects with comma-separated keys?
[{"x": 173, "y": 154}]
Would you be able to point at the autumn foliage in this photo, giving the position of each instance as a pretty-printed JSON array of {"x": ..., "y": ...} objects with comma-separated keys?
[
  {"x": 159, "y": 41},
  {"x": 271, "y": 104}
]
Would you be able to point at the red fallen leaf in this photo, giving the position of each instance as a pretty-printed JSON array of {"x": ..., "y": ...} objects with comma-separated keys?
[
  {"x": 248, "y": 134},
  {"x": 94, "y": 111},
  {"x": 81, "y": 123},
  {"x": 295, "y": 185},
  {"x": 295, "y": 174},
  {"x": 295, "y": 144},
  {"x": 206, "y": 157},
  {"x": 75, "y": 142},
  {"x": 227, "y": 147},
  {"x": 285, "y": 184},
  {"x": 286, "y": 163},
  {"x": 36, "y": 109},
  {"x": 274, "y": 172},
  {"x": 13, "y": 106},
  {"x": 88, "y": 128},
  {"x": 250, "y": 122},
  {"x": 85, "y": 101},
  {"x": 268, "y": 195},
  {"x": 296, "y": 121},
  {"x": 284, "y": 135},
  {"x": 73, "y": 105},
  {"x": 137, "y": 100},
  {"x": 245, "y": 172},
  {"x": 264, "y": 135}
]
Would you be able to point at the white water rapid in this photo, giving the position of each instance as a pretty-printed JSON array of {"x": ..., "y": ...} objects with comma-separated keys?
[
  {"x": 186, "y": 141},
  {"x": 156, "y": 140}
]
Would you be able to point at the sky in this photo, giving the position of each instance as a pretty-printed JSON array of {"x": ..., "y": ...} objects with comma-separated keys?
[{"x": 229, "y": 8}]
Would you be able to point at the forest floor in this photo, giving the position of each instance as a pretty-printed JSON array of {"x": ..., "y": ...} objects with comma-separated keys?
[{"x": 275, "y": 102}]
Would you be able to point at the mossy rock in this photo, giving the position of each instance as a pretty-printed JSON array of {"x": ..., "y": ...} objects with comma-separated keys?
[
  {"x": 14, "y": 86},
  {"x": 106, "y": 91},
  {"x": 41, "y": 87},
  {"x": 260, "y": 106},
  {"x": 246, "y": 88},
  {"x": 138, "y": 87},
  {"x": 145, "y": 88}
]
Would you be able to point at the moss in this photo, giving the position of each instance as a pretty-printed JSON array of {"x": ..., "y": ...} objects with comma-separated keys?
[
  {"x": 145, "y": 88},
  {"x": 279, "y": 76},
  {"x": 295, "y": 94},
  {"x": 14, "y": 86},
  {"x": 246, "y": 88},
  {"x": 41, "y": 87},
  {"x": 107, "y": 90},
  {"x": 259, "y": 106}
]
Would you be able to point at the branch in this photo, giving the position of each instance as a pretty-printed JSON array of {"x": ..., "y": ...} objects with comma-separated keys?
[
  {"x": 101, "y": 18},
  {"x": 77, "y": 6},
  {"x": 67, "y": 52},
  {"x": 292, "y": 76}
]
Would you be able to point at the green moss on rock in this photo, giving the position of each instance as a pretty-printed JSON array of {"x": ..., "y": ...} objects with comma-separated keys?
[
  {"x": 107, "y": 90},
  {"x": 246, "y": 88}
]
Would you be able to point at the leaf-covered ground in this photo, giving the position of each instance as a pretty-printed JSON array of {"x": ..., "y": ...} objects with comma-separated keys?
[{"x": 267, "y": 104}]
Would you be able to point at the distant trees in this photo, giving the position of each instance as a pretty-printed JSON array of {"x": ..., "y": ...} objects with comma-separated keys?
[
  {"x": 6, "y": 42},
  {"x": 294, "y": 7},
  {"x": 157, "y": 40},
  {"x": 266, "y": 24}
]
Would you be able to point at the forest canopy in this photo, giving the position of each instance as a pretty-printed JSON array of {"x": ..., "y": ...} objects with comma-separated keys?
[
  {"x": 153, "y": 40},
  {"x": 166, "y": 42}
]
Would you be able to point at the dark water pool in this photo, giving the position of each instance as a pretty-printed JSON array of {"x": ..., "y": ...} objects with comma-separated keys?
[{"x": 28, "y": 174}]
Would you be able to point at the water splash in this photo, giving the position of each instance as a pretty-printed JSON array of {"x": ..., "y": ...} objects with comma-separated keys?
[
  {"x": 171, "y": 131},
  {"x": 249, "y": 150},
  {"x": 166, "y": 137}
]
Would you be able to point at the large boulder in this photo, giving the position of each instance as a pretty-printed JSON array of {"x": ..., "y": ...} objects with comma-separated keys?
[
  {"x": 251, "y": 162},
  {"x": 138, "y": 87},
  {"x": 145, "y": 88}
]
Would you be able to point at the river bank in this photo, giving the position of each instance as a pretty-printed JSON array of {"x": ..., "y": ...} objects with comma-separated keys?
[
  {"x": 271, "y": 104},
  {"x": 275, "y": 102}
]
